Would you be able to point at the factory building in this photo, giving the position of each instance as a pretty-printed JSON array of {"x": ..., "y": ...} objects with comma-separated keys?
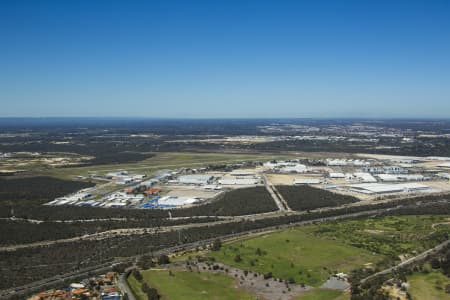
[
  {"x": 124, "y": 180},
  {"x": 293, "y": 168},
  {"x": 198, "y": 179},
  {"x": 336, "y": 162},
  {"x": 117, "y": 174},
  {"x": 240, "y": 177},
  {"x": 70, "y": 199},
  {"x": 385, "y": 169},
  {"x": 302, "y": 181},
  {"x": 372, "y": 170},
  {"x": 336, "y": 175},
  {"x": 212, "y": 187},
  {"x": 401, "y": 177},
  {"x": 173, "y": 201},
  {"x": 346, "y": 162},
  {"x": 444, "y": 175},
  {"x": 231, "y": 180},
  {"x": 287, "y": 167},
  {"x": 242, "y": 173},
  {"x": 382, "y": 188},
  {"x": 361, "y": 177},
  {"x": 394, "y": 170}
]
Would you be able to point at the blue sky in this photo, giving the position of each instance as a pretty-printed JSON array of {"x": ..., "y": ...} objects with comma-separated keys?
[{"x": 225, "y": 58}]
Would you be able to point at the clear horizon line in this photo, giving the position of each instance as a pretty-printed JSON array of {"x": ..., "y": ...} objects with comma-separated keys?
[{"x": 231, "y": 118}]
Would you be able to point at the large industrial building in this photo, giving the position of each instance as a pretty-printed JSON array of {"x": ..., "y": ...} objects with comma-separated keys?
[
  {"x": 240, "y": 177},
  {"x": 300, "y": 181},
  {"x": 286, "y": 167},
  {"x": 336, "y": 175},
  {"x": 173, "y": 201},
  {"x": 199, "y": 179},
  {"x": 294, "y": 168},
  {"x": 363, "y": 177},
  {"x": 346, "y": 162},
  {"x": 401, "y": 177},
  {"x": 382, "y": 188},
  {"x": 232, "y": 180}
]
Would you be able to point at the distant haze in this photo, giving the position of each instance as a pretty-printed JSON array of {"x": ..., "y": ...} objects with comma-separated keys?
[{"x": 225, "y": 59}]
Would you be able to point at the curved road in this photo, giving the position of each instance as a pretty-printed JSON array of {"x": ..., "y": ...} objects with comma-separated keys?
[
  {"x": 104, "y": 267},
  {"x": 409, "y": 261}
]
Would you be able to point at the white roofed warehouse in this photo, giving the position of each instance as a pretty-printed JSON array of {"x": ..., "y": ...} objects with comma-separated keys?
[
  {"x": 382, "y": 188},
  {"x": 199, "y": 179},
  {"x": 307, "y": 181}
]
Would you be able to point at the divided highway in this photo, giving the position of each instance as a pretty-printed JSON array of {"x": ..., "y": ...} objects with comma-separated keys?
[
  {"x": 106, "y": 266},
  {"x": 276, "y": 196}
]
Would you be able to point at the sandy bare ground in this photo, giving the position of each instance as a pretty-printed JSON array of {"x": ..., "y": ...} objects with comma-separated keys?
[{"x": 269, "y": 289}]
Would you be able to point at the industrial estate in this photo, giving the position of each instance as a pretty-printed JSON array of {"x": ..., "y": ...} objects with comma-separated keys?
[
  {"x": 293, "y": 212},
  {"x": 370, "y": 177},
  {"x": 225, "y": 150}
]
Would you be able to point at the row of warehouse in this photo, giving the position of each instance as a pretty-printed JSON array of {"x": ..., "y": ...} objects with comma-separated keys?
[
  {"x": 233, "y": 178},
  {"x": 177, "y": 188},
  {"x": 368, "y": 178},
  {"x": 381, "y": 188},
  {"x": 370, "y": 188}
]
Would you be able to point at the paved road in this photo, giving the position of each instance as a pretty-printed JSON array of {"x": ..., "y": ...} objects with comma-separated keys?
[
  {"x": 116, "y": 232},
  {"x": 36, "y": 221},
  {"x": 54, "y": 281},
  {"x": 281, "y": 203},
  {"x": 102, "y": 268},
  {"x": 124, "y": 287},
  {"x": 280, "y": 197}
]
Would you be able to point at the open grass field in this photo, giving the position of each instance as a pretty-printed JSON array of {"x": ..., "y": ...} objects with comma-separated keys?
[
  {"x": 161, "y": 160},
  {"x": 322, "y": 294},
  {"x": 294, "y": 253},
  {"x": 185, "y": 285},
  {"x": 309, "y": 254},
  {"x": 429, "y": 286},
  {"x": 390, "y": 236}
]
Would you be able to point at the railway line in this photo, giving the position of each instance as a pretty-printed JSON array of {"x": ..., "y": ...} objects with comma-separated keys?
[{"x": 276, "y": 196}]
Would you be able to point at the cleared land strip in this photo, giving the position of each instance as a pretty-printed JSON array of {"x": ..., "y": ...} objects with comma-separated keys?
[
  {"x": 280, "y": 197},
  {"x": 281, "y": 203},
  {"x": 141, "y": 230},
  {"x": 114, "y": 233},
  {"x": 36, "y": 221},
  {"x": 414, "y": 259},
  {"x": 104, "y": 267},
  {"x": 147, "y": 230}
]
